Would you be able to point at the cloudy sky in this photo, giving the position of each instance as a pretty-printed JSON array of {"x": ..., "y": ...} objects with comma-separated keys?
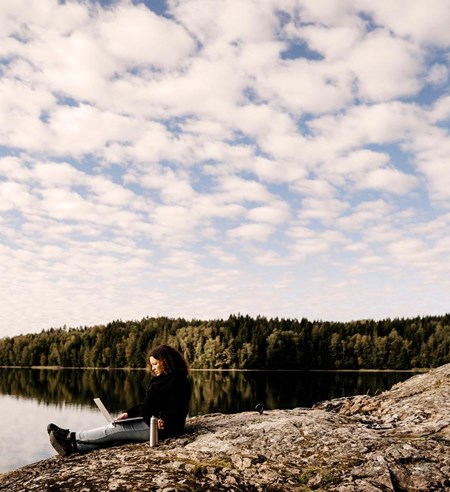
[{"x": 199, "y": 158}]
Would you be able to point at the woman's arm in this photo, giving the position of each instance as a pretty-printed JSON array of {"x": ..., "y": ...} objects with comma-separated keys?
[{"x": 147, "y": 407}]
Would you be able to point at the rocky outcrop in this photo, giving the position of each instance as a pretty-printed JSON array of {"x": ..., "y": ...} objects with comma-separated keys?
[{"x": 396, "y": 441}]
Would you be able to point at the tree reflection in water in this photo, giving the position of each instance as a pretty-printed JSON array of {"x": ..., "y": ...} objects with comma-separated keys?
[{"x": 213, "y": 391}]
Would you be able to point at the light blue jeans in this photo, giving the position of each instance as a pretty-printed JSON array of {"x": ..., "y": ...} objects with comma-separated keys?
[{"x": 111, "y": 434}]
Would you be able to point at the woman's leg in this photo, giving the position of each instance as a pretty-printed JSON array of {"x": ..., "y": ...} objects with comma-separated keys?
[{"x": 111, "y": 434}]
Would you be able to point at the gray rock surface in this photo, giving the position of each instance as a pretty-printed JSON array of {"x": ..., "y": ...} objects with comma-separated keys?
[{"x": 396, "y": 441}]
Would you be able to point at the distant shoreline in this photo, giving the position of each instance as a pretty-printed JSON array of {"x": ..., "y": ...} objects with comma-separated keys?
[{"x": 57, "y": 368}]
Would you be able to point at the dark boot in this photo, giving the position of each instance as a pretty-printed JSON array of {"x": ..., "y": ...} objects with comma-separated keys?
[
  {"x": 63, "y": 445},
  {"x": 61, "y": 433}
]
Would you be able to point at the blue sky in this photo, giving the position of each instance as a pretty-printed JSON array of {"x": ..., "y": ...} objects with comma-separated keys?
[{"x": 199, "y": 158}]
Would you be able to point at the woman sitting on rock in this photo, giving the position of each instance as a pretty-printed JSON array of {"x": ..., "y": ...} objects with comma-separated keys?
[{"x": 167, "y": 398}]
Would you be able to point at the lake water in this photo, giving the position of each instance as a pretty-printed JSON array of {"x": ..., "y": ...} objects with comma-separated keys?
[{"x": 31, "y": 398}]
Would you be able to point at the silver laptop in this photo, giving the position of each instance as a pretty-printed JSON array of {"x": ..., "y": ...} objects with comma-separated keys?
[{"x": 109, "y": 417}]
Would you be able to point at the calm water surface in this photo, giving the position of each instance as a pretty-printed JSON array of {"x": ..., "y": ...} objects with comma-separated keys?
[{"x": 31, "y": 398}]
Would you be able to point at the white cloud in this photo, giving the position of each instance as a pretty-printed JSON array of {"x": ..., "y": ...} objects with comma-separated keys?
[
  {"x": 66, "y": 205},
  {"x": 12, "y": 168},
  {"x": 223, "y": 256},
  {"x": 217, "y": 206},
  {"x": 261, "y": 121},
  {"x": 438, "y": 74},
  {"x": 109, "y": 193},
  {"x": 431, "y": 150},
  {"x": 333, "y": 42},
  {"x": 49, "y": 174},
  {"x": 441, "y": 109},
  {"x": 375, "y": 124},
  {"x": 365, "y": 214},
  {"x": 410, "y": 250},
  {"x": 425, "y": 23},
  {"x": 385, "y": 67},
  {"x": 138, "y": 37},
  {"x": 84, "y": 129},
  {"x": 20, "y": 16},
  {"x": 359, "y": 162},
  {"x": 273, "y": 213},
  {"x": 306, "y": 86},
  {"x": 14, "y": 196},
  {"x": 327, "y": 12},
  {"x": 211, "y": 20},
  {"x": 361, "y": 169},
  {"x": 75, "y": 65},
  {"x": 324, "y": 209},
  {"x": 240, "y": 190},
  {"x": 390, "y": 180},
  {"x": 315, "y": 188},
  {"x": 307, "y": 243},
  {"x": 174, "y": 221},
  {"x": 251, "y": 232}
]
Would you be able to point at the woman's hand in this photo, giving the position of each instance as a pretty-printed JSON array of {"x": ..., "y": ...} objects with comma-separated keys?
[
  {"x": 123, "y": 415},
  {"x": 160, "y": 424}
]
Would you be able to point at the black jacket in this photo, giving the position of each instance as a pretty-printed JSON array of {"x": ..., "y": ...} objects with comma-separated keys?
[{"x": 168, "y": 397}]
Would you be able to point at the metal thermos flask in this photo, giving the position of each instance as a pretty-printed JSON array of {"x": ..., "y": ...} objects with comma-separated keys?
[{"x": 153, "y": 432}]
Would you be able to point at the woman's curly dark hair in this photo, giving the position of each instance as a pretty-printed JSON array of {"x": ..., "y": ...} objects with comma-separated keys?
[{"x": 172, "y": 361}]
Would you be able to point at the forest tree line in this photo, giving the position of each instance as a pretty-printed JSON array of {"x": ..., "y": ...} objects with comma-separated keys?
[{"x": 241, "y": 342}]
